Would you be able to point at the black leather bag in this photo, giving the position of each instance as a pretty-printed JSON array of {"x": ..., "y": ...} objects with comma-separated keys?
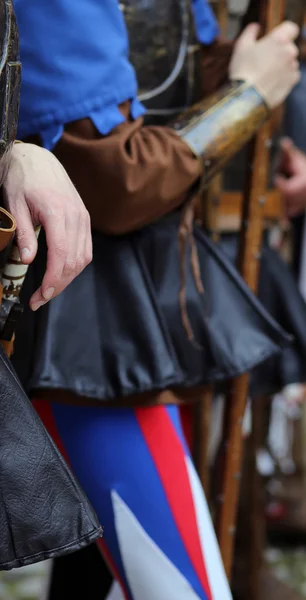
[{"x": 43, "y": 511}]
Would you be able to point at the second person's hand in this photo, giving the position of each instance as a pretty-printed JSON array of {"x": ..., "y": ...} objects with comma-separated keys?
[{"x": 270, "y": 63}]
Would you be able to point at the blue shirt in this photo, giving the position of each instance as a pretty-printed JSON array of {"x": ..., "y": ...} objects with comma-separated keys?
[{"x": 75, "y": 63}]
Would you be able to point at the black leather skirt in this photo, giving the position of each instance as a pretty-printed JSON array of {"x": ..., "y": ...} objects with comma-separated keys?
[
  {"x": 279, "y": 293},
  {"x": 117, "y": 330}
]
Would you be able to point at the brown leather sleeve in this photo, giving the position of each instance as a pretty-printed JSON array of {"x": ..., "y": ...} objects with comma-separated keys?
[
  {"x": 137, "y": 174},
  {"x": 131, "y": 177}
]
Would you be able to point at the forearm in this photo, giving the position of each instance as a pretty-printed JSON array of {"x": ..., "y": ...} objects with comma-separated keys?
[
  {"x": 5, "y": 160},
  {"x": 217, "y": 128}
]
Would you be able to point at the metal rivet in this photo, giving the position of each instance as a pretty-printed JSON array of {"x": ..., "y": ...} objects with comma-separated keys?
[
  {"x": 231, "y": 530},
  {"x": 262, "y": 200}
]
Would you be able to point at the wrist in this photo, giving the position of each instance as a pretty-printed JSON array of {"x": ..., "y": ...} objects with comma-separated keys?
[
  {"x": 256, "y": 87},
  {"x": 217, "y": 128}
]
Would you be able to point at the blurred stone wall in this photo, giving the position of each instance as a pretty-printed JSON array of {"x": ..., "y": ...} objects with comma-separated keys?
[{"x": 237, "y": 8}]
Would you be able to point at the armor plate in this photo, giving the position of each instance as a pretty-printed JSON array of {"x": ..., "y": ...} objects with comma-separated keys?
[{"x": 164, "y": 52}]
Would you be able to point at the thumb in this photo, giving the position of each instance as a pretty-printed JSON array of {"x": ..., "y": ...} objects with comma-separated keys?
[
  {"x": 287, "y": 145},
  {"x": 294, "y": 157},
  {"x": 248, "y": 37},
  {"x": 25, "y": 234},
  {"x": 281, "y": 183},
  {"x": 285, "y": 159},
  {"x": 286, "y": 31},
  {"x": 289, "y": 187}
]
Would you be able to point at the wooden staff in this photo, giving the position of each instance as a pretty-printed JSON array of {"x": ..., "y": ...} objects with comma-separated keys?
[
  {"x": 209, "y": 210},
  {"x": 249, "y": 255},
  {"x": 202, "y": 426}
]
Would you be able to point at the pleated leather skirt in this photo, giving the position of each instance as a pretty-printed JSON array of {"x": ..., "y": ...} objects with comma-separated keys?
[{"x": 117, "y": 330}]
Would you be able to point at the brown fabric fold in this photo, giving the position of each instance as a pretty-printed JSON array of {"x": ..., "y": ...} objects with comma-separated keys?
[{"x": 131, "y": 177}]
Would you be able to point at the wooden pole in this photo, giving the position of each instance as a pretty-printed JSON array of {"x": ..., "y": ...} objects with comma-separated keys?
[
  {"x": 202, "y": 414},
  {"x": 249, "y": 255},
  {"x": 202, "y": 425}
]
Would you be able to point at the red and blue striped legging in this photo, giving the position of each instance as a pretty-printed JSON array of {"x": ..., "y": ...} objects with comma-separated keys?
[{"x": 135, "y": 468}]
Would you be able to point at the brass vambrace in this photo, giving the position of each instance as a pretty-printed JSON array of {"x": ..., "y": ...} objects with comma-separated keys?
[{"x": 216, "y": 128}]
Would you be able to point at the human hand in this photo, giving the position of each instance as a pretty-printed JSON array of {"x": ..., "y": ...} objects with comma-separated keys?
[
  {"x": 291, "y": 178},
  {"x": 270, "y": 63},
  {"x": 38, "y": 191}
]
